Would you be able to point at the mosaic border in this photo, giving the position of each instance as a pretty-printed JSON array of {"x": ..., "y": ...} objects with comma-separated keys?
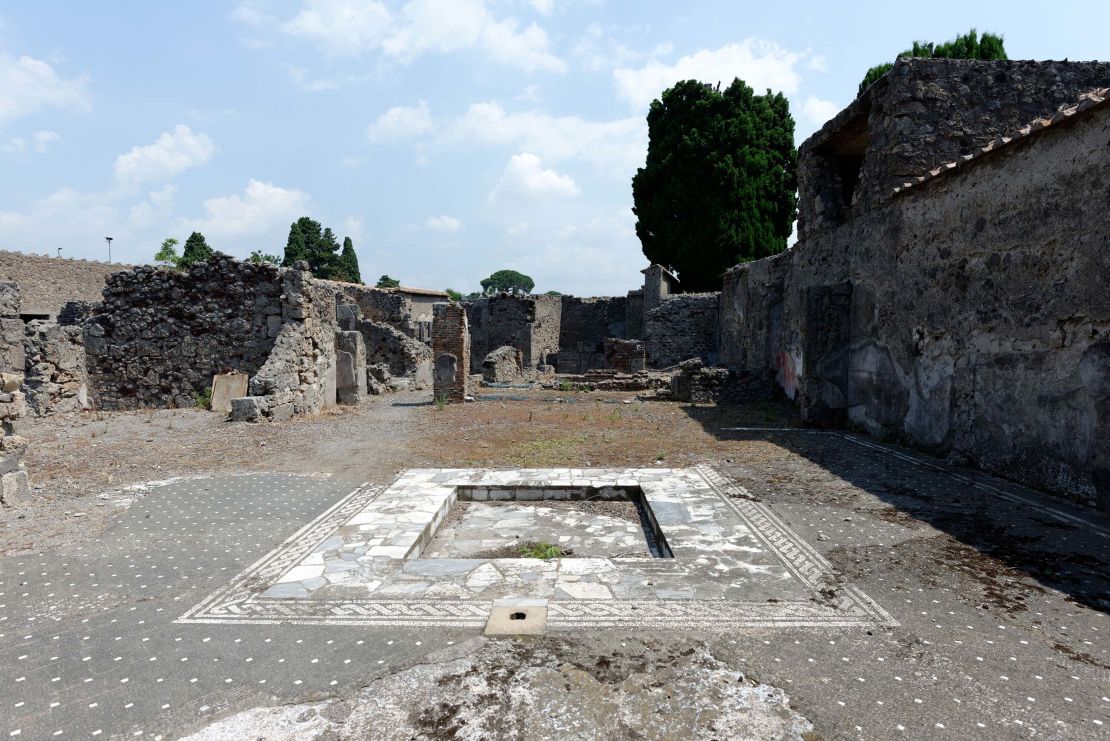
[{"x": 240, "y": 603}]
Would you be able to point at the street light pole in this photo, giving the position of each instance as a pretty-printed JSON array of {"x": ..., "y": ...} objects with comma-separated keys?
[{"x": 109, "y": 241}]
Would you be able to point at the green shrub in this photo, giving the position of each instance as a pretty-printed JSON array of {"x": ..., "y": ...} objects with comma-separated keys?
[
  {"x": 541, "y": 550},
  {"x": 203, "y": 399}
]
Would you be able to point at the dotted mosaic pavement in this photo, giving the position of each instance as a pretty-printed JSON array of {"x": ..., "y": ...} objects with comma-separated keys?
[{"x": 88, "y": 647}]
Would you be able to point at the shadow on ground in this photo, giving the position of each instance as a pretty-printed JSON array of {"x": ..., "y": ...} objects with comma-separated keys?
[{"x": 992, "y": 539}]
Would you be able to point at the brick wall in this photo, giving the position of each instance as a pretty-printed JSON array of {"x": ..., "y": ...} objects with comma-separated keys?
[{"x": 450, "y": 351}]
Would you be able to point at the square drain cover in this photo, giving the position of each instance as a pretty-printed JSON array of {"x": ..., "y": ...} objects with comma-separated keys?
[{"x": 517, "y": 616}]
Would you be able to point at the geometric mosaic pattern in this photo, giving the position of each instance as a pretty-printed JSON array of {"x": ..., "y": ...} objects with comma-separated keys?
[{"x": 814, "y": 600}]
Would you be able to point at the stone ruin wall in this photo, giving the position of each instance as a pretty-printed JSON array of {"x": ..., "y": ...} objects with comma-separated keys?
[
  {"x": 15, "y": 485},
  {"x": 529, "y": 323},
  {"x": 159, "y": 336},
  {"x": 299, "y": 376},
  {"x": 681, "y": 327},
  {"x": 920, "y": 114},
  {"x": 47, "y": 283},
  {"x": 968, "y": 316},
  {"x": 56, "y": 379},
  {"x": 586, "y": 324},
  {"x": 570, "y": 333}
]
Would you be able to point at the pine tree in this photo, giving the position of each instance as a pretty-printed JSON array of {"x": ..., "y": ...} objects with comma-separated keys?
[
  {"x": 718, "y": 187},
  {"x": 196, "y": 250}
]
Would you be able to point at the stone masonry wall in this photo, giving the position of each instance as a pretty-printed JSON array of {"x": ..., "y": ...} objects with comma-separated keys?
[
  {"x": 531, "y": 324},
  {"x": 159, "y": 335},
  {"x": 585, "y": 325},
  {"x": 920, "y": 114},
  {"x": 15, "y": 485},
  {"x": 11, "y": 327},
  {"x": 56, "y": 377},
  {"x": 382, "y": 306},
  {"x": 299, "y": 375},
  {"x": 681, "y": 327},
  {"x": 47, "y": 283},
  {"x": 970, "y": 315}
]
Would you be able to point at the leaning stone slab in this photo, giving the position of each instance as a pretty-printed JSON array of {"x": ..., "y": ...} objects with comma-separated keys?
[{"x": 225, "y": 387}]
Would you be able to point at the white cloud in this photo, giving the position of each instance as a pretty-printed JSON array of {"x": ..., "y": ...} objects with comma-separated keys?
[
  {"x": 341, "y": 27},
  {"x": 252, "y": 14},
  {"x": 444, "y": 223},
  {"x": 172, "y": 153},
  {"x": 615, "y": 146},
  {"x": 819, "y": 111},
  {"x": 528, "y": 49},
  {"x": 39, "y": 142},
  {"x": 596, "y": 51},
  {"x": 436, "y": 25},
  {"x": 761, "y": 64},
  {"x": 28, "y": 84},
  {"x": 525, "y": 177},
  {"x": 300, "y": 78},
  {"x": 347, "y": 28},
  {"x": 401, "y": 122},
  {"x": 155, "y": 210},
  {"x": 261, "y": 209},
  {"x": 543, "y": 6}
]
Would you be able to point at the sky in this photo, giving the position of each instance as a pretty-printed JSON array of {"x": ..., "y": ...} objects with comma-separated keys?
[{"x": 447, "y": 138}]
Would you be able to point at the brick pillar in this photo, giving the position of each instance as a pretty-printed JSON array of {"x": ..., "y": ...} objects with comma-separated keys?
[{"x": 450, "y": 351}]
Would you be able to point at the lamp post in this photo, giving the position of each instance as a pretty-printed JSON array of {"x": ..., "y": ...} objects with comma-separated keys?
[{"x": 109, "y": 241}]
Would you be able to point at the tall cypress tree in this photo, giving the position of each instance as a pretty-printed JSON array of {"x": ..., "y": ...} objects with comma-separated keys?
[
  {"x": 719, "y": 183},
  {"x": 296, "y": 246},
  {"x": 326, "y": 264},
  {"x": 348, "y": 263},
  {"x": 310, "y": 242}
]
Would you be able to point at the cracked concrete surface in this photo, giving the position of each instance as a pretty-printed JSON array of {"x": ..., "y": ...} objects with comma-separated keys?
[{"x": 562, "y": 689}]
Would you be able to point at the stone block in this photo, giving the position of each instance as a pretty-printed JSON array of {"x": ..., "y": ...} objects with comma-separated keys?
[
  {"x": 15, "y": 488},
  {"x": 225, "y": 387},
  {"x": 282, "y": 412},
  {"x": 273, "y": 325},
  {"x": 248, "y": 408},
  {"x": 11, "y": 381},
  {"x": 9, "y": 463}
]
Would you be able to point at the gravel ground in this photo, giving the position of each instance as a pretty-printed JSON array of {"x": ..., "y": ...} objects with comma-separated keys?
[{"x": 83, "y": 466}]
